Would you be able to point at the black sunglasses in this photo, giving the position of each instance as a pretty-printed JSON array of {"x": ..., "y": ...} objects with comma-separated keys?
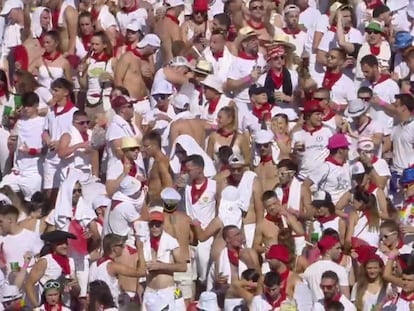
[
  {"x": 372, "y": 31},
  {"x": 266, "y": 145},
  {"x": 281, "y": 57},
  {"x": 86, "y": 122},
  {"x": 156, "y": 224},
  {"x": 160, "y": 96},
  {"x": 258, "y": 7}
]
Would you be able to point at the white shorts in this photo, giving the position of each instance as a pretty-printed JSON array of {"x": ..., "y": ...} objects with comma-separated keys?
[
  {"x": 160, "y": 299},
  {"x": 52, "y": 175},
  {"x": 142, "y": 107},
  {"x": 249, "y": 234},
  {"x": 26, "y": 182},
  {"x": 184, "y": 281},
  {"x": 202, "y": 257}
]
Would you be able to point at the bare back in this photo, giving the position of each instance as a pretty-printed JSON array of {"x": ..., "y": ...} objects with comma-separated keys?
[
  {"x": 168, "y": 31},
  {"x": 193, "y": 127}
]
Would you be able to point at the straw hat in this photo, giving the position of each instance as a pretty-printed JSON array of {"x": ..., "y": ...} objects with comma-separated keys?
[
  {"x": 129, "y": 142},
  {"x": 335, "y": 7},
  {"x": 203, "y": 67},
  {"x": 245, "y": 33},
  {"x": 281, "y": 39}
]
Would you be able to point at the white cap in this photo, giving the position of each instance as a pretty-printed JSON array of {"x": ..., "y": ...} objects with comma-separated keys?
[
  {"x": 174, "y": 3},
  {"x": 365, "y": 144},
  {"x": 213, "y": 82},
  {"x": 156, "y": 208},
  {"x": 5, "y": 200},
  {"x": 10, "y": 293},
  {"x": 130, "y": 185},
  {"x": 179, "y": 61},
  {"x": 319, "y": 196},
  {"x": 358, "y": 168},
  {"x": 236, "y": 160},
  {"x": 180, "y": 101},
  {"x": 208, "y": 301},
  {"x": 356, "y": 108},
  {"x": 134, "y": 25},
  {"x": 170, "y": 196},
  {"x": 149, "y": 39},
  {"x": 263, "y": 137},
  {"x": 11, "y": 4},
  {"x": 101, "y": 201}
]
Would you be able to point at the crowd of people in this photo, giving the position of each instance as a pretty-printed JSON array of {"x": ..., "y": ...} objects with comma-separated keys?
[{"x": 207, "y": 155}]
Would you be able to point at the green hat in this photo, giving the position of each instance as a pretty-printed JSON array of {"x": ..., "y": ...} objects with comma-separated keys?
[{"x": 375, "y": 26}]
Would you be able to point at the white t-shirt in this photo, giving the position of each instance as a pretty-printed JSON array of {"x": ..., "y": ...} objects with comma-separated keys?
[
  {"x": 343, "y": 91},
  {"x": 124, "y": 18},
  {"x": 106, "y": 19},
  {"x": 205, "y": 208},
  {"x": 349, "y": 306},
  {"x": 330, "y": 41},
  {"x": 44, "y": 96},
  {"x": 403, "y": 146},
  {"x": 313, "y": 275}
]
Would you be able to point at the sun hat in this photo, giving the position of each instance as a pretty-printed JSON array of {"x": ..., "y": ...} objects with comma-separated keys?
[
  {"x": 208, "y": 302},
  {"x": 10, "y": 5},
  {"x": 263, "y": 137},
  {"x": 403, "y": 39},
  {"x": 128, "y": 142},
  {"x": 180, "y": 101},
  {"x": 213, "y": 82},
  {"x": 203, "y": 67},
  {"x": 356, "y": 108},
  {"x": 337, "y": 141},
  {"x": 130, "y": 185}
]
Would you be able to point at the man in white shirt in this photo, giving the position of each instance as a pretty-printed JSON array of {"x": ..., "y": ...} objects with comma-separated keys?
[
  {"x": 331, "y": 251},
  {"x": 331, "y": 292},
  {"x": 296, "y": 35}
]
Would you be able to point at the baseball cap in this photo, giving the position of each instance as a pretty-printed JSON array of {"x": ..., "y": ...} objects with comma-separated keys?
[
  {"x": 321, "y": 198},
  {"x": 375, "y": 25},
  {"x": 236, "y": 160},
  {"x": 119, "y": 101},
  {"x": 134, "y": 25},
  {"x": 312, "y": 105},
  {"x": 263, "y": 137},
  {"x": 149, "y": 39},
  {"x": 337, "y": 141},
  {"x": 10, "y": 5},
  {"x": 180, "y": 101},
  {"x": 174, "y": 3},
  {"x": 257, "y": 89},
  {"x": 156, "y": 216}
]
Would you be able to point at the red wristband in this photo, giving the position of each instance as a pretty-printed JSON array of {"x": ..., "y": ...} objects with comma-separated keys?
[{"x": 32, "y": 151}]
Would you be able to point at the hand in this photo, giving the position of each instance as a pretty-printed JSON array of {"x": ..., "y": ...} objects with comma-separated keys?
[
  {"x": 255, "y": 74},
  {"x": 24, "y": 148},
  {"x": 349, "y": 62},
  {"x": 154, "y": 265},
  {"x": 279, "y": 96},
  {"x": 365, "y": 159},
  {"x": 407, "y": 229},
  {"x": 195, "y": 223},
  {"x": 127, "y": 166},
  {"x": 222, "y": 279},
  {"x": 160, "y": 12},
  {"x": 383, "y": 248},
  {"x": 27, "y": 257},
  {"x": 53, "y": 144}
]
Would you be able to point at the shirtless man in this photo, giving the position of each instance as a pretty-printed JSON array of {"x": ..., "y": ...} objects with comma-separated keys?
[
  {"x": 135, "y": 71},
  {"x": 265, "y": 167},
  {"x": 65, "y": 20},
  {"x": 177, "y": 224},
  {"x": 193, "y": 127},
  {"x": 166, "y": 257},
  {"x": 245, "y": 180},
  {"x": 158, "y": 174},
  {"x": 168, "y": 28},
  {"x": 276, "y": 220}
]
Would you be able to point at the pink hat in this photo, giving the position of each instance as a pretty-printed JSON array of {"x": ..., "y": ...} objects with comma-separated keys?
[
  {"x": 337, "y": 141},
  {"x": 279, "y": 252}
]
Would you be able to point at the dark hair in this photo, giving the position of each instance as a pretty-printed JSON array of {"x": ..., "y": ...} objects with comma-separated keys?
[
  {"x": 219, "y": 32},
  {"x": 281, "y": 115},
  {"x": 39, "y": 201},
  {"x": 79, "y": 113},
  {"x": 335, "y": 306},
  {"x": 109, "y": 241},
  {"x": 154, "y": 137},
  {"x": 99, "y": 292},
  {"x": 340, "y": 51},
  {"x": 365, "y": 89},
  {"x": 380, "y": 10},
  {"x": 62, "y": 83},
  {"x": 30, "y": 99},
  {"x": 407, "y": 100},
  {"x": 3, "y": 78},
  {"x": 330, "y": 232},
  {"x": 224, "y": 154},
  {"x": 226, "y": 230},
  {"x": 330, "y": 275},
  {"x": 271, "y": 279},
  {"x": 268, "y": 195},
  {"x": 26, "y": 82},
  {"x": 9, "y": 209},
  {"x": 223, "y": 19},
  {"x": 292, "y": 166},
  {"x": 196, "y": 159},
  {"x": 122, "y": 89},
  {"x": 370, "y": 60},
  {"x": 409, "y": 270},
  {"x": 250, "y": 275}
]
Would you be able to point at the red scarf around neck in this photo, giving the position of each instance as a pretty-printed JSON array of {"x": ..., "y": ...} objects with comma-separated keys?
[
  {"x": 277, "y": 220},
  {"x": 63, "y": 262},
  {"x": 325, "y": 219},
  {"x": 94, "y": 14},
  {"x": 86, "y": 41},
  {"x": 286, "y": 191},
  {"x": 131, "y": 9},
  {"x": 68, "y": 106},
  {"x": 329, "y": 115},
  {"x": 133, "y": 170},
  {"x": 55, "y": 18},
  {"x": 155, "y": 242},
  {"x": 196, "y": 193},
  {"x": 233, "y": 255},
  {"x": 232, "y": 182},
  {"x": 290, "y": 31},
  {"x": 103, "y": 259},
  {"x": 382, "y": 78},
  {"x": 101, "y": 57},
  {"x": 334, "y": 161},
  {"x": 255, "y": 26},
  {"x": 224, "y": 133},
  {"x": 2, "y": 92},
  {"x": 137, "y": 53},
  {"x": 218, "y": 55},
  {"x": 173, "y": 18},
  {"x": 212, "y": 105},
  {"x": 335, "y": 298},
  {"x": 244, "y": 55},
  {"x": 375, "y": 50},
  {"x": 261, "y": 111},
  {"x": 51, "y": 57},
  {"x": 311, "y": 131},
  {"x": 275, "y": 303},
  {"x": 48, "y": 307},
  {"x": 265, "y": 159},
  {"x": 330, "y": 78},
  {"x": 277, "y": 79}
]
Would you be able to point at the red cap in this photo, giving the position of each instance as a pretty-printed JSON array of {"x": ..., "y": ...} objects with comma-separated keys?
[
  {"x": 326, "y": 243},
  {"x": 279, "y": 252},
  {"x": 156, "y": 216},
  {"x": 312, "y": 105},
  {"x": 367, "y": 254},
  {"x": 200, "y": 6},
  {"x": 119, "y": 101}
]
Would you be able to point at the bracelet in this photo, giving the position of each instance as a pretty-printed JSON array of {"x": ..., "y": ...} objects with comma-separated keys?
[
  {"x": 248, "y": 79},
  {"x": 382, "y": 103},
  {"x": 32, "y": 151},
  {"x": 391, "y": 257},
  {"x": 25, "y": 265}
]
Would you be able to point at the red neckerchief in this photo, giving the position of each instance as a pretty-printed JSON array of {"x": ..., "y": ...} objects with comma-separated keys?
[
  {"x": 374, "y": 5},
  {"x": 265, "y": 159},
  {"x": 173, "y": 18},
  {"x": 286, "y": 191},
  {"x": 130, "y": 47},
  {"x": 232, "y": 182},
  {"x": 374, "y": 50},
  {"x": 374, "y": 159},
  {"x": 381, "y": 79},
  {"x": 85, "y": 136},
  {"x": 277, "y": 79},
  {"x": 371, "y": 187},
  {"x": 330, "y": 78},
  {"x": 223, "y": 133},
  {"x": 55, "y": 18},
  {"x": 196, "y": 193},
  {"x": 290, "y": 31},
  {"x": 218, "y": 55},
  {"x": 233, "y": 255},
  {"x": 257, "y": 26},
  {"x": 329, "y": 115},
  {"x": 366, "y": 213},
  {"x": 311, "y": 131},
  {"x": 2, "y": 92},
  {"x": 51, "y": 57},
  {"x": 101, "y": 57},
  {"x": 133, "y": 170},
  {"x": 346, "y": 29},
  {"x": 232, "y": 33},
  {"x": 68, "y": 107},
  {"x": 100, "y": 221},
  {"x": 325, "y": 219},
  {"x": 244, "y": 55},
  {"x": 212, "y": 105},
  {"x": 131, "y": 9},
  {"x": 137, "y": 53},
  {"x": 103, "y": 259},
  {"x": 86, "y": 41},
  {"x": 115, "y": 203},
  {"x": 94, "y": 14},
  {"x": 48, "y": 307},
  {"x": 275, "y": 303},
  {"x": 364, "y": 126},
  {"x": 260, "y": 112},
  {"x": 277, "y": 220},
  {"x": 333, "y": 161},
  {"x": 63, "y": 262},
  {"x": 335, "y": 298},
  {"x": 224, "y": 167},
  {"x": 155, "y": 242},
  {"x": 409, "y": 200},
  {"x": 407, "y": 297}
]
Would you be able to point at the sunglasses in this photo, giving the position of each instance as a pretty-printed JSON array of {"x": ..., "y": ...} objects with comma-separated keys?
[
  {"x": 161, "y": 97},
  {"x": 365, "y": 99},
  {"x": 328, "y": 287},
  {"x": 86, "y": 122},
  {"x": 281, "y": 57},
  {"x": 386, "y": 236},
  {"x": 52, "y": 284},
  {"x": 320, "y": 98},
  {"x": 258, "y": 7},
  {"x": 156, "y": 224},
  {"x": 78, "y": 190},
  {"x": 372, "y": 32},
  {"x": 266, "y": 145}
]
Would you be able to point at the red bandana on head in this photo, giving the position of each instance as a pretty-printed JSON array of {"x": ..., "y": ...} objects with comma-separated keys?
[
  {"x": 51, "y": 57},
  {"x": 197, "y": 192},
  {"x": 374, "y": 4},
  {"x": 330, "y": 79}
]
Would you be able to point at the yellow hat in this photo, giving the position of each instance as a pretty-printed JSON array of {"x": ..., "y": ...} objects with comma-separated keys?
[
  {"x": 281, "y": 39},
  {"x": 129, "y": 142}
]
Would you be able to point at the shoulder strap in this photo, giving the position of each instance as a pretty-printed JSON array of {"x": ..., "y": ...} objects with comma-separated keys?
[
  {"x": 233, "y": 140},
  {"x": 47, "y": 68}
]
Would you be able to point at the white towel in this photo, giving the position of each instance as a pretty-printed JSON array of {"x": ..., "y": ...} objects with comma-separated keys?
[
  {"x": 224, "y": 265},
  {"x": 230, "y": 208},
  {"x": 246, "y": 189},
  {"x": 167, "y": 245},
  {"x": 138, "y": 203},
  {"x": 191, "y": 147},
  {"x": 35, "y": 21}
]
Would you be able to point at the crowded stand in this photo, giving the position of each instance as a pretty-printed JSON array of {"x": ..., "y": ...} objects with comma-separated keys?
[{"x": 208, "y": 155}]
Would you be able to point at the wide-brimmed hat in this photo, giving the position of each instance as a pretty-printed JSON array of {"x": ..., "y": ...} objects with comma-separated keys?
[
  {"x": 10, "y": 5},
  {"x": 403, "y": 39},
  {"x": 10, "y": 293},
  {"x": 57, "y": 236},
  {"x": 203, "y": 67},
  {"x": 280, "y": 39},
  {"x": 245, "y": 33},
  {"x": 208, "y": 301},
  {"x": 213, "y": 82},
  {"x": 356, "y": 108},
  {"x": 129, "y": 142},
  {"x": 334, "y": 8}
]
